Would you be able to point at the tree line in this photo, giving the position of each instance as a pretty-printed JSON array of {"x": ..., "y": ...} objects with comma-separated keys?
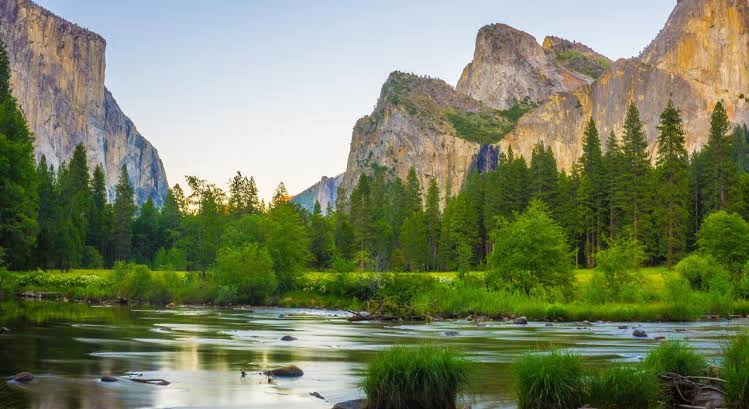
[{"x": 62, "y": 218}]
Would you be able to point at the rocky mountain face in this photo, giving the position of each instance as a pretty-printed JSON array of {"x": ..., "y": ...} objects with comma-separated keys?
[
  {"x": 323, "y": 192},
  {"x": 58, "y": 78},
  {"x": 509, "y": 66},
  {"x": 576, "y": 56},
  {"x": 422, "y": 123},
  {"x": 699, "y": 58}
]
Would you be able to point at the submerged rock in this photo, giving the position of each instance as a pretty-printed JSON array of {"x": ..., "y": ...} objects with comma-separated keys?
[
  {"x": 520, "y": 321},
  {"x": 288, "y": 338},
  {"x": 23, "y": 377},
  {"x": 639, "y": 333},
  {"x": 623, "y": 327},
  {"x": 351, "y": 404},
  {"x": 451, "y": 333},
  {"x": 107, "y": 378},
  {"x": 316, "y": 395},
  {"x": 288, "y": 371}
]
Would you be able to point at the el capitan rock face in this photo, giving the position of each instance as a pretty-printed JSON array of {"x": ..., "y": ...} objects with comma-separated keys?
[
  {"x": 509, "y": 65},
  {"x": 700, "y": 57},
  {"x": 58, "y": 78}
]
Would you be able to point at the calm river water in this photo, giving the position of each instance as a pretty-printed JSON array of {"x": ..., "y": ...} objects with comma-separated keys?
[{"x": 201, "y": 351}]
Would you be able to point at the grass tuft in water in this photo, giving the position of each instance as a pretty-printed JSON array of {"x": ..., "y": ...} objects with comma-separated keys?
[
  {"x": 550, "y": 380},
  {"x": 424, "y": 377},
  {"x": 735, "y": 371},
  {"x": 675, "y": 357},
  {"x": 623, "y": 386}
]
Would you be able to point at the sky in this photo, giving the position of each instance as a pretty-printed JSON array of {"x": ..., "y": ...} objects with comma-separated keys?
[{"x": 273, "y": 88}]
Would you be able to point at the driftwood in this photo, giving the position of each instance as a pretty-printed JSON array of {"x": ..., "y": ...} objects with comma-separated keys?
[
  {"x": 695, "y": 392},
  {"x": 386, "y": 309},
  {"x": 160, "y": 382}
]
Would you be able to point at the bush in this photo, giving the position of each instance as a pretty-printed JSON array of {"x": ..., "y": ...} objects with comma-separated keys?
[
  {"x": 530, "y": 251},
  {"x": 553, "y": 380},
  {"x": 620, "y": 264},
  {"x": 742, "y": 287},
  {"x": 245, "y": 274},
  {"x": 414, "y": 378},
  {"x": 735, "y": 371},
  {"x": 725, "y": 236},
  {"x": 675, "y": 357},
  {"x": 137, "y": 282},
  {"x": 699, "y": 269},
  {"x": 623, "y": 386}
]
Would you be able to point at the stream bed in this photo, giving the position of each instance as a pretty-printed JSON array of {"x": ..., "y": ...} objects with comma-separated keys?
[{"x": 201, "y": 351}]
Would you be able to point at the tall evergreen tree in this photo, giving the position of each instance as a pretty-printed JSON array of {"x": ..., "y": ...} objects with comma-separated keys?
[
  {"x": 146, "y": 238},
  {"x": 544, "y": 176},
  {"x": 614, "y": 181},
  {"x": 414, "y": 200},
  {"x": 321, "y": 240},
  {"x": 45, "y": 252},
  {"x": 672, "y": 180},
  {"x": 721, "y": 169},
  {"x": 592, "y": 192},
  {"x": 343, "y": 231},
  {"x": 362, "y": 220},
  {"x": 74, "y": 196},
  {"x": 415, "y": 243},
  {"x": 432, "y": 221},
  {"x": 18, "y": 190},
  {"x": 99, "y": 213},
  {"x": 637, "y": 171},
  {"x": 243, "y": 196},
  {"x": 123, "y": 212}
]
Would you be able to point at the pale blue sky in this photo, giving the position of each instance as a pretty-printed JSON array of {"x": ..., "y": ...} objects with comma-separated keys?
[{"x": 273, "y": 88}]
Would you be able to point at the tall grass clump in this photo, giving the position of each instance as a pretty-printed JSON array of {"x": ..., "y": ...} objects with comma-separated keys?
[
  {"x": 424, "y": 377},
  {"x": 735, "y": 371},
  {"x": 675, "y": 357},
  {"x": 623, "y": 386},
  {"x": 550, "y": 380}
]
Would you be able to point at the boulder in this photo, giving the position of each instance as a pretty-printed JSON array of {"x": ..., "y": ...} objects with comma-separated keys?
[
  {"x": 288, "y": 338},
  {"x": 316, "y": 395},
  {"x": 351, "y": 404},
  {"x": 451, "y": 333},
  {"x": 520, "y": 321},
  {"x": 23, "y": 377},
  {"x": 639, "y": 333},
  {"x": 288, "y": 371},
  {"x": 622, "y": 327},
  {"x": 107, "y": 378},
  {"x": 548, "y": 324}
]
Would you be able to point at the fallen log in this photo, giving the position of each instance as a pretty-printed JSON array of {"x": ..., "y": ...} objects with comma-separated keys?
[{"x": 695, "y": 392}]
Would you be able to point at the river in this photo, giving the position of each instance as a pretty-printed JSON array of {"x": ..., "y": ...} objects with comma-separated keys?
[{"x": 201, "y": 351}]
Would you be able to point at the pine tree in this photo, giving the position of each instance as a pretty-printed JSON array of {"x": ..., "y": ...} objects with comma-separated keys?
[
  {"x": 243, "y": 196},
  {"x": 74, "y": 195},
  {"x": 592, "y": 191},
  {"x": 362, "y": 220},
  {"x": 170, "y": 218},
  {"x": 123, "y": 212},
  {"x": 544, "y": 176},
  {"x": 99, "y": 213},
  {"x": 721, "y": 170},
  {"x": 18, "y": 183},
  {"x": 413, "y": 199},
  {"x": 45, "y": 251},
  {"x": 432, "y": 221},
  {"x": 321, "y": 240},
  {"x": 637, "y": 172},
  {"x": 415, "y": 243},
  {"x": 146, "y": 238},
  {"x": 281, "y": 195},
  {"x": 673, "y": 183},
  {"x": 343, "y": 231},
  {"x": 613, "y": 179}
]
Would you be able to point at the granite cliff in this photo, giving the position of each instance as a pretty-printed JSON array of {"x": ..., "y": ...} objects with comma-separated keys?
[
  {"x": 699, "y": 57},
  {"x": 509, "y": 66},
  {"x": 323, "y": 192},
  {"x": 58, "y": 78}
]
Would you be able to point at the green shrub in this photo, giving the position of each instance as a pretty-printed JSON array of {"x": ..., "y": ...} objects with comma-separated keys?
[
  {"x": 725, "y": 236},
  {"x": 675, "y": 357},
  {"x": 742, "y": 287},
  {"x": 425, "y": 377},
  {"x": 552, "y": 380},
  {"x": 623, "y": 386},
  {"x": 132, "y": 281},
  {"x": 699, "y": 269},
  {"x": 245, "y": 273},
  {"x": 735, "y": 371}
]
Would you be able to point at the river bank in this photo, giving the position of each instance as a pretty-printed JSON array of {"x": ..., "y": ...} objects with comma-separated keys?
[{"x": 201, "y": 351}]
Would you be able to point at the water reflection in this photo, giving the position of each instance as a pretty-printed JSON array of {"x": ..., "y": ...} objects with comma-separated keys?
[{"x": 201, "y": 351}]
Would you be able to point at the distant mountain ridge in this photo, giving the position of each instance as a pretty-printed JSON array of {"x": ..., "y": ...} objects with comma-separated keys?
[
  {"x": 701, "y": 56},
  {"x": 58, "y": 71}
]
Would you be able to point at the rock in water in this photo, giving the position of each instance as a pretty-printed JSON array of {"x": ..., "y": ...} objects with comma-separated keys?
[
  {"x": 520, "y": 321},
  {"x": 288, "y": 338},
  {"x": 107, "y": 378},
  {"x": 451, "y": 333},
  {"x": 639, "y": 333},
  {"x": 316, "y": 395},
  {"x": 23, "y": 377},
  {"x": 351, "y": 404},
  {"x": 288, "y": 371},
  {"x": 57, "y": 76}
]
